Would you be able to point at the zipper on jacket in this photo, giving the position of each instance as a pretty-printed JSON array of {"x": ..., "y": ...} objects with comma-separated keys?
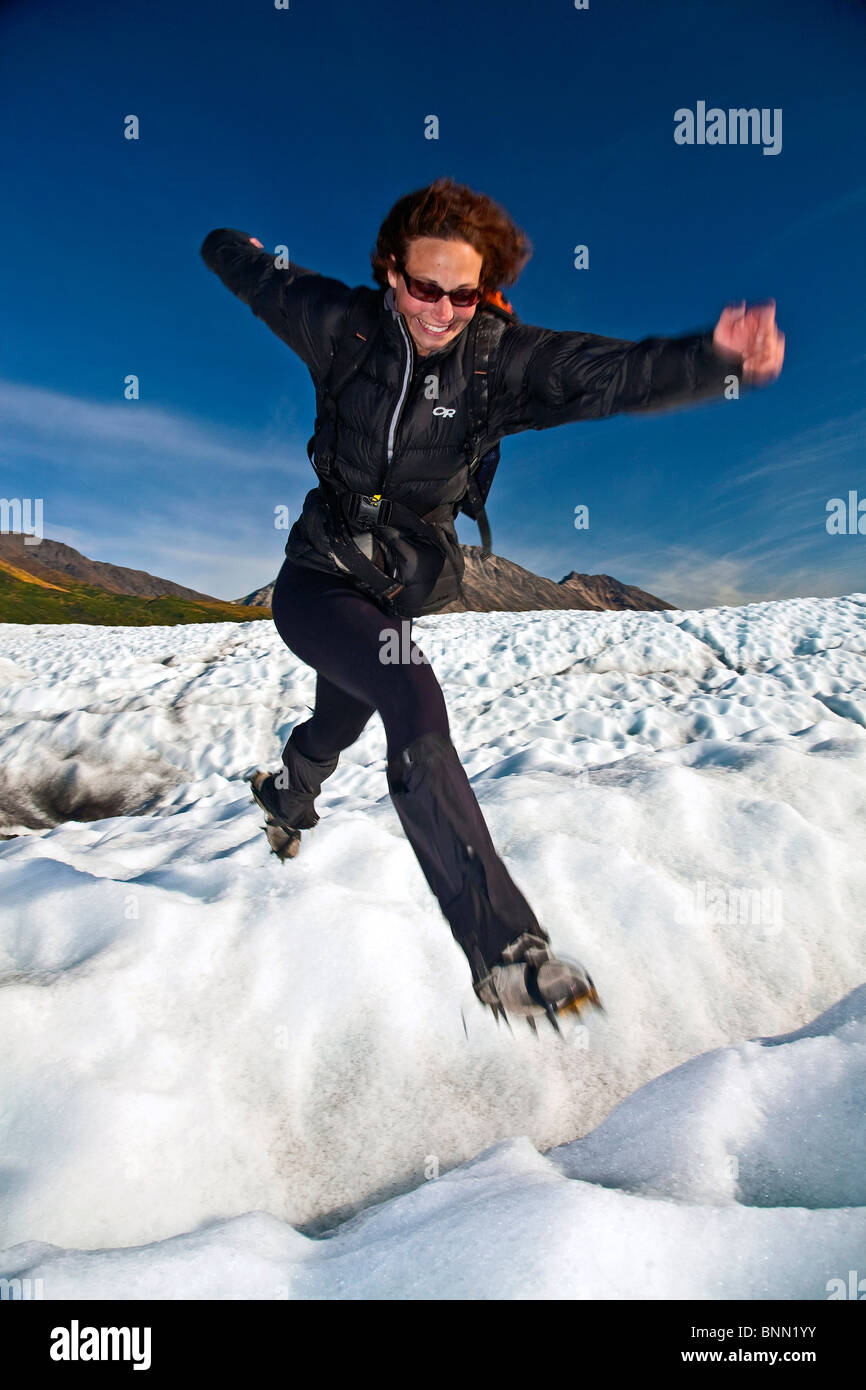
[{"x": 395, "y": 418}]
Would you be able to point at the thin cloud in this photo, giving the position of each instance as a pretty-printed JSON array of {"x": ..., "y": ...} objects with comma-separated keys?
[
  {"x": 824, "y": 443},
  {"x": 696, "y": 579},
  {"x": 854, "y": 198},
  {"x": 53, "y": 426}
]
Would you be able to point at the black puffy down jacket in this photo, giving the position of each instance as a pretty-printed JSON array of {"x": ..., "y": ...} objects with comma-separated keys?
[{"x": 390, "y": 440}]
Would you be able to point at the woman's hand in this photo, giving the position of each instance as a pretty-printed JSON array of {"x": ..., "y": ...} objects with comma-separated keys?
[
  {"x": 257, "y": 243},
  {"x": 753, "y": 333}
]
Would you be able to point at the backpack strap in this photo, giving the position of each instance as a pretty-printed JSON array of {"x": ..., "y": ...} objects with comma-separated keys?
[
  {"x": 357, "y": 335},
  {"x": 491, "y": 326}
]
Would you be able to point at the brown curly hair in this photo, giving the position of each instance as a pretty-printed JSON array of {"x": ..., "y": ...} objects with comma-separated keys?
[{"x": 455, "y": 213}]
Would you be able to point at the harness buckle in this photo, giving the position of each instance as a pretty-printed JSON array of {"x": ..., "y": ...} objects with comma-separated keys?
[{"x": 368, "y": 511}]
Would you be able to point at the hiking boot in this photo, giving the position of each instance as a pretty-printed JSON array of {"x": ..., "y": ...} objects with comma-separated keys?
[
  {"x": 287, "y": 796},
  {"x": 287, "y": 812}
]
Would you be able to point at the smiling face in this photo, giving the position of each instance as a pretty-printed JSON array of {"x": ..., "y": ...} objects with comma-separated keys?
[{"x": 453, "y": 265}]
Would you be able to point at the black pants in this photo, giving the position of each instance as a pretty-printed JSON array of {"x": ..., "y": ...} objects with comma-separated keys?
[{"x": 340, "y": 632}]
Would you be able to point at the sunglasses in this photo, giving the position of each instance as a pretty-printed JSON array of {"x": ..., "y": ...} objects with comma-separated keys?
[{"x": 428, "y": 293}]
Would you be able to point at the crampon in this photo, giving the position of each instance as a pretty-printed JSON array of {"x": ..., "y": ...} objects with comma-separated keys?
[{"x": 530, "y": 982}]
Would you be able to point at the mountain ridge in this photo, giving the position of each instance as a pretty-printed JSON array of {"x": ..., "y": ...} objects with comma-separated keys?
[
  {"x": 53, "y": 583},
  {"x": 494, "y": 584},
  {"x": 65, "y": 562},
  {"x": 77, "y": 585}
]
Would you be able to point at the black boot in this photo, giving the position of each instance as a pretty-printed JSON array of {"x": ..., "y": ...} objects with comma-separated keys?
[{"x": 443, "y": 822}]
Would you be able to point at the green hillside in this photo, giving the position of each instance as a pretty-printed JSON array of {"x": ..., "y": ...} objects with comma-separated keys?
[{"x": 23, "y": 602}]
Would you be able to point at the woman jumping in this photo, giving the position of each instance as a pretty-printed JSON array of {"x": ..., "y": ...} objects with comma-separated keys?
[{"x": 415, "y": 382}]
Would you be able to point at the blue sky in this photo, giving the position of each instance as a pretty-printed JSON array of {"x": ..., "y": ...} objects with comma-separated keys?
[{"x": 303, "y": 126}]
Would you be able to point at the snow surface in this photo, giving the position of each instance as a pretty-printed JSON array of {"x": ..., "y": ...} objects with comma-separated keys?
[{"x": 228, "y": 1078}]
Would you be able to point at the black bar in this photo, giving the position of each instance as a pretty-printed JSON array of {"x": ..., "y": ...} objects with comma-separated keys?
[{"x": 232, "y": 1336}]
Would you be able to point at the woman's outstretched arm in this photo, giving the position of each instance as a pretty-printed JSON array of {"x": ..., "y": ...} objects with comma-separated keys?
[
  {"x": 303, "y": 308},
  {"x": 551, "y": 378}
]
